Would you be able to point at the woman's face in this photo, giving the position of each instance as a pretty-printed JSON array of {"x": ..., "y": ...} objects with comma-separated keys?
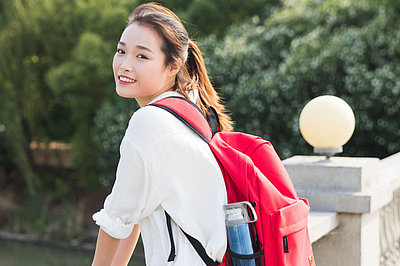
[{"x": 138, "y": 65}]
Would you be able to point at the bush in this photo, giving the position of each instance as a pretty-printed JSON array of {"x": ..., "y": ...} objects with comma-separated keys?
[
  {"x": 110, "y": 123},
  {"x": 268, "y": 71}
]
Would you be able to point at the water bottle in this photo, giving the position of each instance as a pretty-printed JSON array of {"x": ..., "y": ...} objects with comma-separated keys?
[{"x": 237, "y": 224}]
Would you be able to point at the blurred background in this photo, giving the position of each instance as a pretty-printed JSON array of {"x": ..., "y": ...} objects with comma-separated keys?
[{"x": 61, "y": 122}]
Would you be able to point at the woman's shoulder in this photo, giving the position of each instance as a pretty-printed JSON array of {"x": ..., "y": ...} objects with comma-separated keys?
[
  {"x": 151, "y": 123},
  {"x": 149, "y": 117},
  {"x": 154, "y": 118}
]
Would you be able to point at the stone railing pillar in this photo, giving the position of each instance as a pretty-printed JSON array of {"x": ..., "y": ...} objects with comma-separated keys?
[{"x": 352, "y": 188}]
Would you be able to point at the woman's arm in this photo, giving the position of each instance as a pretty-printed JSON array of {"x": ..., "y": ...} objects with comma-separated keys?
[
  {"x": 106, "y": 247},
  {"x": 126, "y": 248},
  {"x": 113, "y": 251}
]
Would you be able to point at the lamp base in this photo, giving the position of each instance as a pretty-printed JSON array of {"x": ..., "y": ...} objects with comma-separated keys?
[{"x": 328, "y": 152}]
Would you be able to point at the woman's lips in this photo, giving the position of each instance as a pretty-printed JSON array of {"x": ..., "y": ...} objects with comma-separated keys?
[{"x": 124, "y": 80}]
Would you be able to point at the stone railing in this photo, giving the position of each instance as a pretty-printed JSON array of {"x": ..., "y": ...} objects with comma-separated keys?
[
  {"x": 390, "y": 231},
  {"x": 355, "y": 208}
]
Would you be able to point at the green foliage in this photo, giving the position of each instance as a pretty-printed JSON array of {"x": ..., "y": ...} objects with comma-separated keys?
[
  {"x": 31, "y": 216},
  {"x": 47, "y": 218},
  {"x": 110, "y": 122},
  {"x": 71, "y": 43},
  {"x": 18, "y": 84},
  {"x": 204, "y": 17},
  {"x": 269, "y": 71},
  {"x": 84, "y": 82}
]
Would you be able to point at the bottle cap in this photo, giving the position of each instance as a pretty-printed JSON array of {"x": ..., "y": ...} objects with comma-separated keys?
[
  {"x": 235, "y": 214},
  {"x": 238, "y": 213}
]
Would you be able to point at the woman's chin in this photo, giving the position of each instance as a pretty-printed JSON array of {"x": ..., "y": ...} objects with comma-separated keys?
[{"x": 123, "y": 93}]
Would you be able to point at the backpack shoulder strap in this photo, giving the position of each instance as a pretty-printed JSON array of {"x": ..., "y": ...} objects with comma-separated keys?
[{"x": 187, "y": 112}]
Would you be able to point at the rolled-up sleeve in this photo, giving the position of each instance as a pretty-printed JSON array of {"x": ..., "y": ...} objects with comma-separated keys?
[
  {"x": 132, "y": 198},
  {"x": 114, "y": 227}
]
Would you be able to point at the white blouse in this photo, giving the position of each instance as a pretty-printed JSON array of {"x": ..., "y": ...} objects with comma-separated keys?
[{"x": 165, "y": 166}]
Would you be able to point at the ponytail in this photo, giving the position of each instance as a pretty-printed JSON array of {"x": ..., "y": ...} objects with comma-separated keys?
[{"x": 196, "y": 69}]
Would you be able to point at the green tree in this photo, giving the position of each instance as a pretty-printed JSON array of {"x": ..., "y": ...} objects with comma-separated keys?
[
  {"x": 204, "y": 17},
  {"x": 267, "y": 71},
  {"x": 110, "y": 124},
  {"x": 20, "y": 88},
  {"x": 87, "y": 80},
  {"x": 40, "y": 39}
]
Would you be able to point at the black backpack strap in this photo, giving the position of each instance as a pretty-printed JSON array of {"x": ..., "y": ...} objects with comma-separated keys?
[
  {"x": 172, "y": 255},
  {"x": 200, "y": 250},
  {"x": 195, "y": 243}
]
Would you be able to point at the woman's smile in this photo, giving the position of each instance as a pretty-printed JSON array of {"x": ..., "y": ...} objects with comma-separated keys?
[{"x": 124, "y": 80}]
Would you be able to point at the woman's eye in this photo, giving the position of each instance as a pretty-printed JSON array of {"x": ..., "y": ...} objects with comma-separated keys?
[
  {"x": 142, "y": 56},
  {"x": 120, "y": 51}
]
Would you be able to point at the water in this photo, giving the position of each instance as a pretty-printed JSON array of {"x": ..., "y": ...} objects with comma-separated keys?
[{"x": 22, "y": 254}]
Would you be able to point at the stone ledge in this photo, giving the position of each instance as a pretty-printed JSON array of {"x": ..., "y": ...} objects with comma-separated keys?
[
  {"x": 348, "y": 202},
  {"x": 321, "y": 223},
  {"x": 337, "y": 173}
]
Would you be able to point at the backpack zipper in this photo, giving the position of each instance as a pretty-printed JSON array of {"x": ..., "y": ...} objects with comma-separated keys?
[{"x": 285, "y": 245}]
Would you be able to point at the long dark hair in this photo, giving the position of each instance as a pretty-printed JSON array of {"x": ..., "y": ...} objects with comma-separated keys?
[{"x": 177, "y": 45}]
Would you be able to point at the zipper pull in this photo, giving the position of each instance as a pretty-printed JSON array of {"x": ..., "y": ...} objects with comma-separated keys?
[{"x": 285, "y": 244}]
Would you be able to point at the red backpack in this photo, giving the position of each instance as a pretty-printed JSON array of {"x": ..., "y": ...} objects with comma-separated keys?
[{"x": 252, "y": 172}]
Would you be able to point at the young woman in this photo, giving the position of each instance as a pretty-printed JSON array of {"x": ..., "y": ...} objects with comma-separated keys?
[{"x": 164, "y": 167}]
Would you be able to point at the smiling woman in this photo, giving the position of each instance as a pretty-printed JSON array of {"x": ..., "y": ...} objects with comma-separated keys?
[{"x": 165, "y": 170}]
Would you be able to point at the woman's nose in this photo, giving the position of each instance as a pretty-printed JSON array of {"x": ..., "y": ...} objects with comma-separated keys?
[{"x": 127, "y": 65}]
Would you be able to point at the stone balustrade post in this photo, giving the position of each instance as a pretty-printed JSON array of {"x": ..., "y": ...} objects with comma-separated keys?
[{"x": 352, "y": 188}]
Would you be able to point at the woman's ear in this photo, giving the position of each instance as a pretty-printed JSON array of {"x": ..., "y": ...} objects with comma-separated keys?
[{"x": 174, "y": 67}]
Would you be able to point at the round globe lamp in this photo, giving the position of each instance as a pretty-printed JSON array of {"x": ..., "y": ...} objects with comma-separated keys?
[{"x": 327, "y": 123}]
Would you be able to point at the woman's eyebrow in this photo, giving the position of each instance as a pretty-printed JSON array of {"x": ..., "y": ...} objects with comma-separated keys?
[
  {"x": 138, "y": 46},
  {"x": 144, "y": 48}
]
